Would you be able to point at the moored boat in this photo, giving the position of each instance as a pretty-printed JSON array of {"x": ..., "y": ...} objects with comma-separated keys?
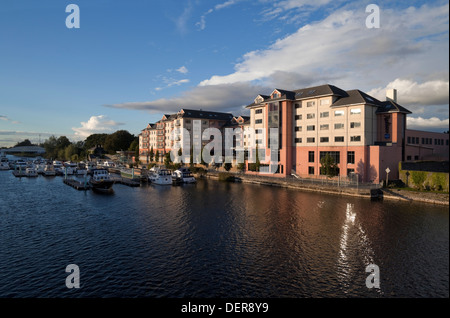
[
  {"x": 184, "y": 174},
  {"x": 161, "y": 176},
  {"x": 101, "y": 180}
]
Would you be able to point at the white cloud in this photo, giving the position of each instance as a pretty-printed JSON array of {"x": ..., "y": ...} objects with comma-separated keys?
[
  {"x": 182, "y": 70},
  {"x": 7, "y": 119},
  {"x": 409, "y": 51},
  {"x": 432, "y": 123},
  {"x": 225, "y": 4},
  {"x": 172, "y": 82},
  {"x": 434, "y": 92},
  {"x": 340, "y": 44},
  {"x": 96, "y": 125},
  {"x": 202, "y": 23},
  {"x": 223, "y": 98}
]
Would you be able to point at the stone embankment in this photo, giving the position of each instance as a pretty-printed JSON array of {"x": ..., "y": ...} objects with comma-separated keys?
[{"x": 365, "y": 191}]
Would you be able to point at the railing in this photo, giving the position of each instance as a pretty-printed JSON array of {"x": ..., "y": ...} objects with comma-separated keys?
[{"x": 317, "y": 181}]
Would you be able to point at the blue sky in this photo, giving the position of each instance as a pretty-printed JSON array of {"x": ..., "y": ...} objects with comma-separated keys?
[{"x": 131, "y": 61}]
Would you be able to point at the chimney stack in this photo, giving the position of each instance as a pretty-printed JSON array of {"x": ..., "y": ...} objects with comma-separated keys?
[{"x": 391, "y": 95}]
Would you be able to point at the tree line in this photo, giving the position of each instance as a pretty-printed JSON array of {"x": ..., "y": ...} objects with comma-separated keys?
[{"x": 61, "y": 148}]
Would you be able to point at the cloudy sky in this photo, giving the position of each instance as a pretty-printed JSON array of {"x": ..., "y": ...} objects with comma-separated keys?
[{"x": 132, "y": 61}]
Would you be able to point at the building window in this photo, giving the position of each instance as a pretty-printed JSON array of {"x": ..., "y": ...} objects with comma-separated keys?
[
  {"x": 311, "y": 116},
  {"x": 310, "y": 140},
  {"x": 324, "y": 114},
  {"x": 324, "y": 127},
  {"x": 298, "y": 140},
  {"x": 350, "y": 157},
  {"x": 446, "y": 142},
  {"x": 355, "y": 111},
  {"x": 325, "y": 102},
  {"x": 311, "y": 156},
  {"x": 338, "y": 126},
  {"x": 336, "y": 155},
  {"x": 355, "y": 138},
  {"x": 310, "y": 104},
  {"x": 258, "y": 121},
  {"x": 298, "y": 106},
  {"x": 310, "y": 128},
  {"x": 324, "y": 139},
  {"x": 258, "y": 111},
  {"x": 409, "y": 140},
  {"x": 311, "y": 170},
  {"x": 338, "y": 113},
  {"x": 416, "y": 157},
  {"x": 417, "y": 140},
  {"x": 339, "y": 139},
  {"x": 350, "y": 172},
  {"x": 298, "y": 117},
  {"x": 298, "y": 128},
  {"x": 355, "y": 124}
]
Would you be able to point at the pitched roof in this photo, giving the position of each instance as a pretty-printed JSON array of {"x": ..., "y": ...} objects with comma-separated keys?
[
  {"x": 321, "y": 90},
  {"x": 391, "y": 107},
  {"x": 355, "y": 96},
  {"x": 191, "y": 113},
  {"x": 309, "y": 92}
]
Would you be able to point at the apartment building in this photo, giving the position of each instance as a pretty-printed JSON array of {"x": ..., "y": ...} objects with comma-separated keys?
[
  {"x": 172, "y": 128},
  {"x": 364, "y": 136}
]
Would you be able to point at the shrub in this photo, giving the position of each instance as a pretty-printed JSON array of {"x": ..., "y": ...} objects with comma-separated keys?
[
  {"x": 438, "y": 181},
  {"x": 418, "y": 177}
]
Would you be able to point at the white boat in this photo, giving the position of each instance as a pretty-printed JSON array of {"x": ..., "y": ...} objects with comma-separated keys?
[
  {"x": 4, "y": 164},
  {"x": 58, "y": 167},
  {"x": 101, "y": 180},
  {"x": 40, "y": 168},
  {"x": 20, "y": 165},
  {"x": 161, "y": 176},
  {"x": 49, "y": 171},
  {"x": 31, "y": 172},
  {"x": 184, "y": 174},
  {"x": 81, "y": 169}
]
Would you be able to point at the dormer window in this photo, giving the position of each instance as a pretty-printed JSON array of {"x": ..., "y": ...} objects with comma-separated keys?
[{"x": 259, "y": 99}]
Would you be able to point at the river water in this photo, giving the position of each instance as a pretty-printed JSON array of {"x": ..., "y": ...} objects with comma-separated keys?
[{"x": 215, "y": 239}]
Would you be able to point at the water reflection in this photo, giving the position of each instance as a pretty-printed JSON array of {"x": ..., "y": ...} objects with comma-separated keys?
[{"x": 215, "y": 239}]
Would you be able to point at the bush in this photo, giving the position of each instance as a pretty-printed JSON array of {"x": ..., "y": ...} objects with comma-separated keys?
[
  {"x": 438, "y": 181},
  {"x": 418, "y": 177}
]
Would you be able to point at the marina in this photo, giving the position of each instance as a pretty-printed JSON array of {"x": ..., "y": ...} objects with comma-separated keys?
[{"x": 215, "y": 239}]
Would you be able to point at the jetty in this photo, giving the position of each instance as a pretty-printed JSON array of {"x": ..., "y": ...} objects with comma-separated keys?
[
  {"x": 126, "y": 181},
  {"x": 77, "y": 184}
]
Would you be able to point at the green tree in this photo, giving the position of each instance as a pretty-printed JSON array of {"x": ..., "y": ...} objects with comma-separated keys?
[
  {"x": 167, "y": 159},
  {"x": 329, "y": 167},
  {"x": 26, "y": 142},
  {"x": 118, "y": 141},
  {"x": 94, "y": 140},
  {"x": 152, "y": 154},
  {"x": 157, "y": 156},
  {"x": 62, "y": 142}
]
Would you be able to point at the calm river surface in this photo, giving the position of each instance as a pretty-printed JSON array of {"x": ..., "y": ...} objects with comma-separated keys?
[{"x": 215, "y": 239}]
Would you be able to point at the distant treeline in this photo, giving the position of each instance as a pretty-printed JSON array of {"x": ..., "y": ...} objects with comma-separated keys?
[{"x": 62, "y": 148}]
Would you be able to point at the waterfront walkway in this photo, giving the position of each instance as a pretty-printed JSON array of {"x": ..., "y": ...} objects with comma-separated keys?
[{"x": 340, "y": 187}]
